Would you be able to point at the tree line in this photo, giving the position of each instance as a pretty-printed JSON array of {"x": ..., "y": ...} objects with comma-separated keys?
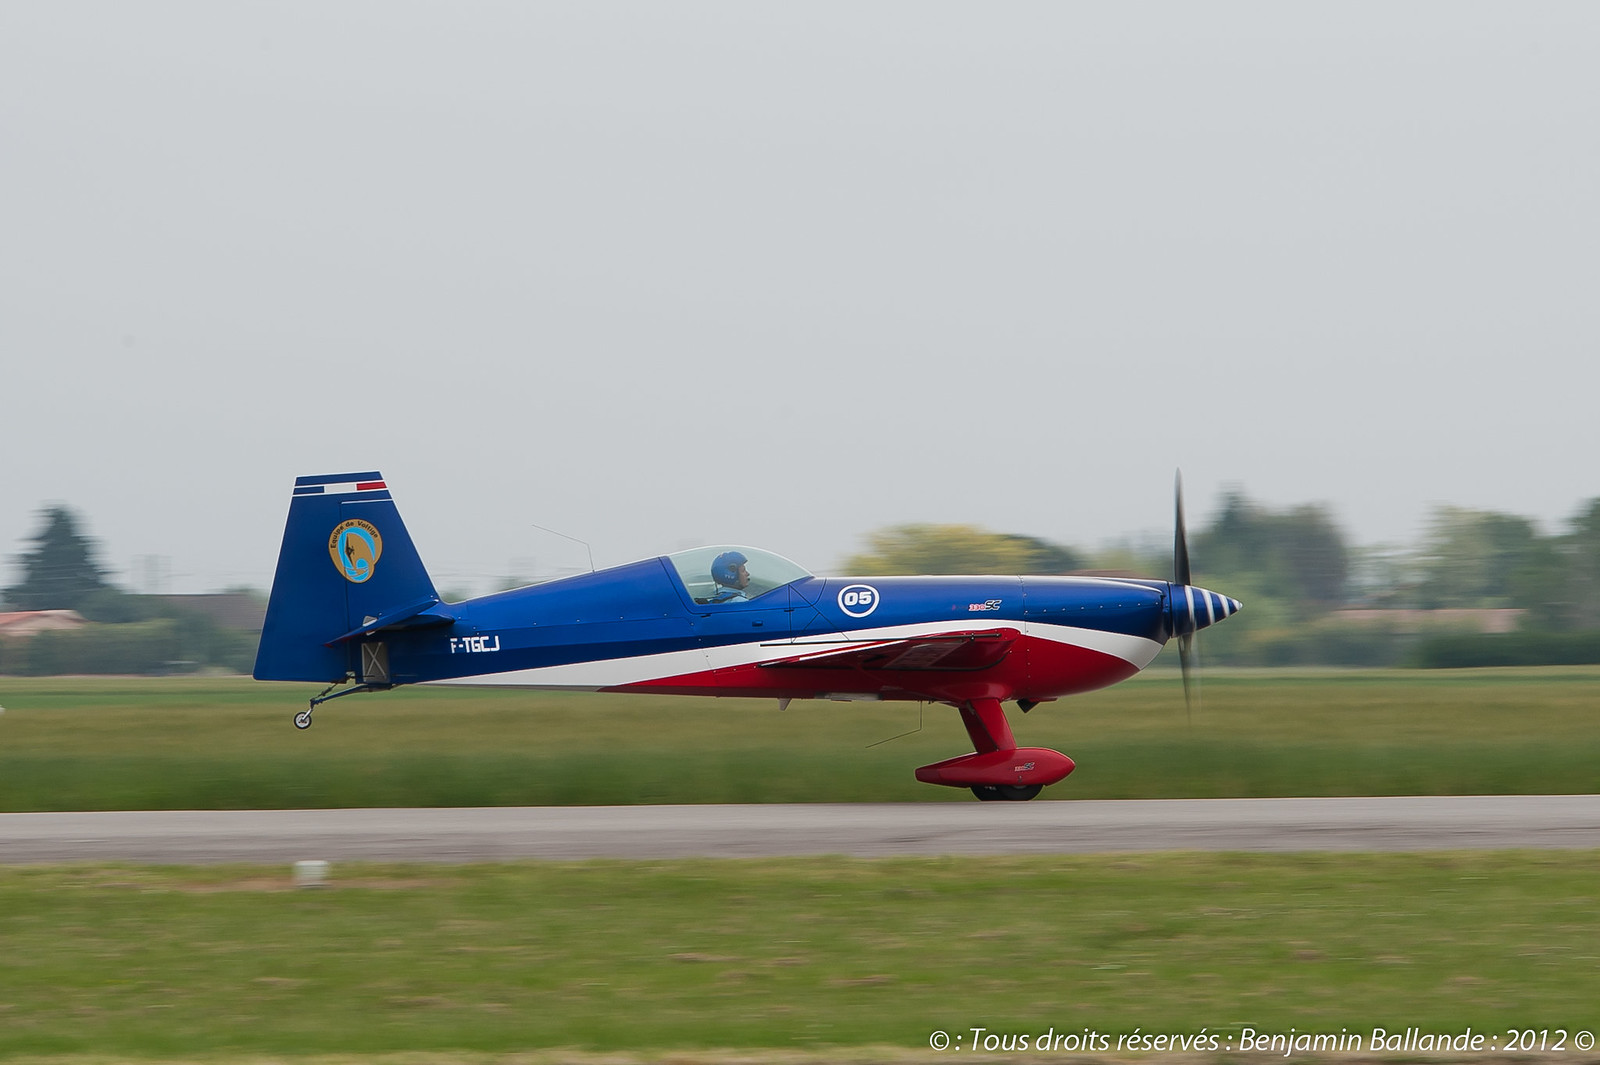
[{"x": 1310, "y": 595}]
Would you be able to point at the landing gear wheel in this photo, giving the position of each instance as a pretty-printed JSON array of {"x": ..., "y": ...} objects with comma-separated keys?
[
  {"x": 302, "y": 720},
  {"x": 1019, "y": 792},
  {"x": 986, "y": 792}
]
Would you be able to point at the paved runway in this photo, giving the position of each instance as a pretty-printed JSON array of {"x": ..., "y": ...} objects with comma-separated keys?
[{"x": 1415, "y": 823}]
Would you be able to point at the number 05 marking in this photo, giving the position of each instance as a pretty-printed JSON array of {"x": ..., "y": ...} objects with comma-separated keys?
[{"x": 858, "y": 600}]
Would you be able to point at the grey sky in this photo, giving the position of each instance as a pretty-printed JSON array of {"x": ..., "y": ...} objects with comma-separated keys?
[{"x": 661, "y": 274}]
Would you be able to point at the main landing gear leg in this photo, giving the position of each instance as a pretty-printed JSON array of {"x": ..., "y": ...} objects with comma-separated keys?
[
  {"x": 997, "y": 768},
  {"x": 987, "y": 726},
  {"x": 990, "y": 731}
]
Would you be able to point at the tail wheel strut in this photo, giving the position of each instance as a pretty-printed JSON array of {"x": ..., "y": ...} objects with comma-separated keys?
[{"x": 302, "y": 720}]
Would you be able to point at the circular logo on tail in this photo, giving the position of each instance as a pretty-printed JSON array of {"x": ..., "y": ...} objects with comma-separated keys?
[{"x": 355, "y": 546}]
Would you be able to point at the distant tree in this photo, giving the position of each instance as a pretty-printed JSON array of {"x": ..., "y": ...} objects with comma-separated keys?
[
  {"x": 1298, "y": 554},
  {"x": 1146, "y": 555},
  {"x": 1478, "y": 558},
  {"x": 1583, "y": 558},
  {"x": 1383, "y": 576},
  {"x": 946, "y": 549},
  {"x": 1556, "y": 579},
  {"x": 60, "y": 572}
]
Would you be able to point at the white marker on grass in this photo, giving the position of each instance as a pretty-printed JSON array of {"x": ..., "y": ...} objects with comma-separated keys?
[{"x": 310, "y": 874}]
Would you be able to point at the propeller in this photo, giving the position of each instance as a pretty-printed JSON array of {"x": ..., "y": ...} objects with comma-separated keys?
[
  {"x": 1180, "y": 579},
  {"x": 1192, "y": 609}
]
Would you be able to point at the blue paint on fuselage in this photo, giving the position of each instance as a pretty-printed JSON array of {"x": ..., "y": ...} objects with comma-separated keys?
[{"x": 643, "y": 608}]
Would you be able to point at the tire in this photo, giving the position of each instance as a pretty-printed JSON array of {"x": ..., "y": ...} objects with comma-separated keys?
[
  {"x": 1019, "y": 792},
  {"x": 986, "y": 792}
]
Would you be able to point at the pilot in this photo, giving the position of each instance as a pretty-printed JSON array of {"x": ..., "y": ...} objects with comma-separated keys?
[{"x": 728, "y": 570}]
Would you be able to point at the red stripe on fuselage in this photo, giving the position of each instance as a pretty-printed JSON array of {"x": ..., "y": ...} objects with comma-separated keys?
[{"x": 1036, "y": 668}]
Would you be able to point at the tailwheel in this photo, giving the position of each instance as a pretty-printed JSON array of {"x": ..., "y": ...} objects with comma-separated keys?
[{"x": 302, "y": 720}]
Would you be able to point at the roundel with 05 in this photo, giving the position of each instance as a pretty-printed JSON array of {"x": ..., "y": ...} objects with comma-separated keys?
[{"x": 858, "y": 600}]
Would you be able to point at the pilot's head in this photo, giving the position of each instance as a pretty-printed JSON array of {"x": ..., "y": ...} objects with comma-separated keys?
[{"x": 729, "y": 570}]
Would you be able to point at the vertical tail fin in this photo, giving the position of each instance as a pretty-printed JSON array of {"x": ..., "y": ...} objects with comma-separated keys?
[{"x": 346, "y": 561}]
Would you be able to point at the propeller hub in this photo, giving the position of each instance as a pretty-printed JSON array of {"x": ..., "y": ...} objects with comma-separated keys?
[{"x": 1195, "y": 608}]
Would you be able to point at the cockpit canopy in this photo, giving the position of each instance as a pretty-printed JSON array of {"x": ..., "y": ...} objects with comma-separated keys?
[{"x": 767, "y": 571}]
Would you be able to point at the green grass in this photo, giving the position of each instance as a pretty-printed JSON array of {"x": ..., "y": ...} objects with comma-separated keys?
[
  {"x": 73, "y": 743},
  {"x": 662, "y": 958},
  {"x": 162, "y": 962}
]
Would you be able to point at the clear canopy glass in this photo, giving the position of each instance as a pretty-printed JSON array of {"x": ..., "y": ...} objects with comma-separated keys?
[{"x": 765, "y": 570}]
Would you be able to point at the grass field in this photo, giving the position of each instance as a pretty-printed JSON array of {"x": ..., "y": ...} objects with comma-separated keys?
[
  {"x": 826, "y": 958},
  {"x": 795, "y": 953},
  {"x": 205, "y": 743}
]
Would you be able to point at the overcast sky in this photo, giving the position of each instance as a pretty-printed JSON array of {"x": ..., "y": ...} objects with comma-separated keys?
[{"x": 657, "y": 275}]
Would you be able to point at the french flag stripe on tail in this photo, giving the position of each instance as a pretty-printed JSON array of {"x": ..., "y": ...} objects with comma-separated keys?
[{"x": 339, "y": 484}]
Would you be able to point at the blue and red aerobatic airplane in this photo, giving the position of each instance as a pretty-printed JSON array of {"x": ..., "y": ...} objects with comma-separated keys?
[{"x": 353, "y": 607}]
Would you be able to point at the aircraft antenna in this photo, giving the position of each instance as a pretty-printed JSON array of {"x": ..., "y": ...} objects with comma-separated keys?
[
  {"x": 574, "y": 539},
  {"x": 921, "y": 709}
]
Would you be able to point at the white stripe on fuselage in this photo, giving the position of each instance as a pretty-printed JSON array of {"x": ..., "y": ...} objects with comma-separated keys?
[{"x": 614, "y": 672}]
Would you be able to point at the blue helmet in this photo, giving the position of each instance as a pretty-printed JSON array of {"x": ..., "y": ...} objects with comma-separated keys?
[{"x": 725, "y": 570}]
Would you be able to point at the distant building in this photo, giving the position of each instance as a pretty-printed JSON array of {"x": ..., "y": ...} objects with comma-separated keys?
[
  {"x": 1465, "y": 619},
  {"x": 24, "y": 624}
]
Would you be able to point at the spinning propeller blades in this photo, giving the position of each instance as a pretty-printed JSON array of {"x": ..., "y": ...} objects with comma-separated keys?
[
  {"x": 1192, "y": 608},
  {"x": 1180, "y": 577}
]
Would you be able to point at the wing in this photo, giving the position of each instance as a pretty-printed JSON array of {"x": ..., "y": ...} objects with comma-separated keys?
[{"x": 979, "y": 649}]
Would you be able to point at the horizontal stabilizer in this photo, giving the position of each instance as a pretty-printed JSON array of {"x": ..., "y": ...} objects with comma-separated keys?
[
  {"x": 939, "y": 651},
  {"x": 418, "y": 615}
]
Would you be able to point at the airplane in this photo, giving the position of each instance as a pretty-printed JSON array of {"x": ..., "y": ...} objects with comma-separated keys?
[{"x": 352, "y": 606}]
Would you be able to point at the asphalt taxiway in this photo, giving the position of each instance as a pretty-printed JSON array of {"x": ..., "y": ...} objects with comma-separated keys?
[{"x": 1410, "y": 823}]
